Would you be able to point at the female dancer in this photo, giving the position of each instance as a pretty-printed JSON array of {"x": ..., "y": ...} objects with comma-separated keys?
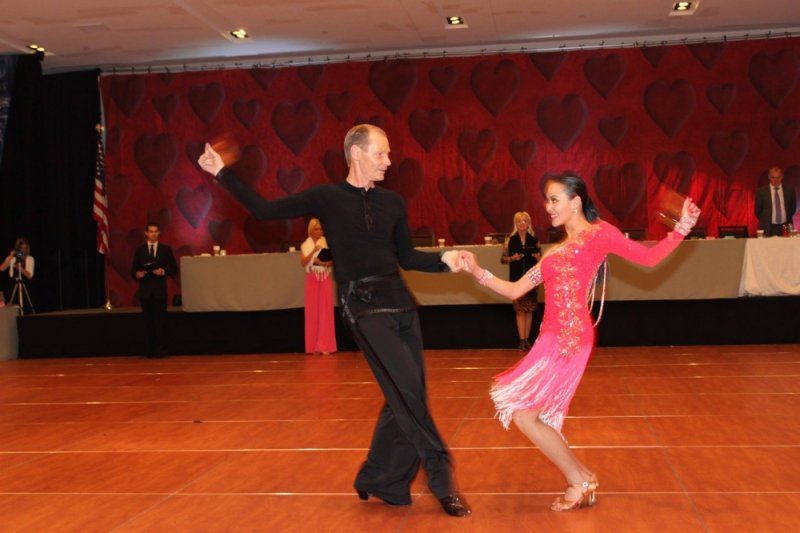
[{"x": 536, "y": 392}]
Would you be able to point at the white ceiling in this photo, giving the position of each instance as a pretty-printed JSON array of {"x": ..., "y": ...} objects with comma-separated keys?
[{"x": 121, "y": 34}]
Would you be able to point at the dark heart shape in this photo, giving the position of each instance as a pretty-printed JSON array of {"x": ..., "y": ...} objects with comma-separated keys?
[
  {"x": 405, "y": 179},
  {"x": 522, "y": 152},
  {"x": 335, "y": 165},
  {"x": 155, "y": 156},
  {"x": 477, "y": 148},
  {"x": 654, "y": 54},
  {"x": 311, "y": 75},
  {"x": 375, "y": 120},
  {"x": 562, "y": 121},
  {"x": 452, "y": 189},
  {"x": 119, "y": 189},
  {"x": 464, "y": 232},
  {"x": 122, "y": 245},
  {"x": 427, "y": 127},
  {"x": 620, "y": 189},
  {"x": 728, "y": 150},
  {"x": 443, "y": 78},
  {"x": 205, "y": 100},
  {"x": 675, "y": 170},
  {"x": 392, "y": 82},
  {"x": 604, "y": 73},
  {"x": 729, "y": 200},
  {"x": 613, "y": 129},
  {"x": 721, "y": 96},
  {"x": 548, "y": 63},
  {"x": 495, "y": 84},
  {"x": 669, "y": 106},
  {"x": 295, "y": 124},
  {"x": 128, "y": 92},
  {"x": 221, "y": 231},
  {"x": 252, "y": 165},
  {"x": 784, "y": 131},
  {"x": 707, "y": 53},
  {"x": 162, "y": 217},
  {"x": 166, "y": 106},
  {"x": 194, "y": 203},
  {"x": 774, "y": 75},
  {"x": 339, "y": 104},
  {"x": 193, "y": 152},
  {"x": 291, "y": 180},
  {"x": 246, "y": 111},
  {"x": 266, "y": 235},
  {"x": 264, "y": 76},
  {"x": 498, "y": 203}
]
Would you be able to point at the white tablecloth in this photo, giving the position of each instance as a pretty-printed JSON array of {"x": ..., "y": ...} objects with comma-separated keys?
[{"x": 771, "y": 267}]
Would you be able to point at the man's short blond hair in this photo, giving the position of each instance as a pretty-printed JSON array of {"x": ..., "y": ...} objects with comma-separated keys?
[{"x": 360, "y": 136}]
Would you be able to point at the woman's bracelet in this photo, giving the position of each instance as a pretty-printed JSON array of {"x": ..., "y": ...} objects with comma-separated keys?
[
  {"x": 685, "y": 224},
  {"x": 485, "y": 277}
]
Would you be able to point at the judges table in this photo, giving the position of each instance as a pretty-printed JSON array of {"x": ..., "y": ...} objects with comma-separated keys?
[{"x": 701, "y": 269}]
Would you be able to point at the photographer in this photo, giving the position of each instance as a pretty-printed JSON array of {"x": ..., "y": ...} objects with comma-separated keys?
[{"x": 20, "y": 264}]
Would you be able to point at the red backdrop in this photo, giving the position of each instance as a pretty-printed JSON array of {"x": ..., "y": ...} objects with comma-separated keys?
[{"x": 471, "y": 139}]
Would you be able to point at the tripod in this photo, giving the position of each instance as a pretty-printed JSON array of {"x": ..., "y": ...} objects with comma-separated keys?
[{"x": 21, "y": 293}]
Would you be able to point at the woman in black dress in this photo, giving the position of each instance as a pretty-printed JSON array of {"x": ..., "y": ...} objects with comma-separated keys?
[{"x": 520, "y": 252}]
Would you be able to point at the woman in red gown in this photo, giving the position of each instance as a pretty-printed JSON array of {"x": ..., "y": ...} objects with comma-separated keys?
[{"x": 535, "y": 393}]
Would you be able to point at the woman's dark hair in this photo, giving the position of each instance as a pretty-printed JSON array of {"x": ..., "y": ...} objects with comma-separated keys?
[{"x": 575, "y": 186}]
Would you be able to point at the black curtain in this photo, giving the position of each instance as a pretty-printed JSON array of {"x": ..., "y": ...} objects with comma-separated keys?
[{"x": 47, "y": 183}]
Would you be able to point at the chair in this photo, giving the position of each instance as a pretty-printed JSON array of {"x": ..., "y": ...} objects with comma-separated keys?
[
  {"x": 638, "y": 234},
  {"x": 423, "y": 239},
  {"x": 556, "y": 234},
  {"x": 697, "y": 233},
  {"x": 737, "y": 232}
]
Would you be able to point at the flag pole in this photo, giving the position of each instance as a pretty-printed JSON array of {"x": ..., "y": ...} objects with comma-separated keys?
[{"x": 100, "y": 210}]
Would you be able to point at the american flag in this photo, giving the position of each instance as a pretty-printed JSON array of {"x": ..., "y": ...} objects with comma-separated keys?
[{"x": 100, "y": 207}]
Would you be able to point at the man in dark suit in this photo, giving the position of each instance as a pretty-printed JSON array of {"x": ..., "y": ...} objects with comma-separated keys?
[
  {"x": 152, "y": 263},
  {"x": 775, "y": 204}
]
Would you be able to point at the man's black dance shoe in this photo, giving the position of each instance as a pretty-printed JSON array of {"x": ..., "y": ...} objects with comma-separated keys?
[{"x": 454, "y": 505}]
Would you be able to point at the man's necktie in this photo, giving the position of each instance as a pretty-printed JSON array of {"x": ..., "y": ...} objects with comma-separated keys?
[
  {"x": 152, "y": 251},
  {"x": 778, "y": 208}
]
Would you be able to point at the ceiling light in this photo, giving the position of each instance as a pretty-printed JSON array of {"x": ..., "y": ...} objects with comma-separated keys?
[
  {"x": 240, "y": 34},
  {"x": 37, "y": 48},
  {"x": 454, "y": 22},
  {"x": 682, "y": 6}
]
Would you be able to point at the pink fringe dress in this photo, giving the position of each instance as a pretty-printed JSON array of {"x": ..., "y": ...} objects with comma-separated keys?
[{"x": 547, "y": 377}]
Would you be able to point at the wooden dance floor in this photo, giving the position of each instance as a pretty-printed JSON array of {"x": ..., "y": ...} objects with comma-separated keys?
[{"x": 684, "y": 439}]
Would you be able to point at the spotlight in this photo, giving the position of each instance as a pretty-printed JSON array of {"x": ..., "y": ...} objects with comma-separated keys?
[
  {"x": 454, "y": 21},
  {"x": 240, "y": 34},
  {"x": 682, "y": 6}
]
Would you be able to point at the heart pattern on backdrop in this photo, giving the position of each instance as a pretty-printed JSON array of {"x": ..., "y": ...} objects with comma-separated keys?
[
  {"x": 427, "y": 127},
  {"x": 495, "y": 85},
  {"x": 669, "y": 106},
  {"x": 291, "y": 180},
  {"x": 392, "y": 82},
  {"x": 620, "y": 189},
  {"x": 251, "y": 166},
  {"x": 443, "y": 78},
  {"x": 311, "y": 75},
  {"x": 119, "y": 190},
  {"x": 155, "y": 156},
  {"x": 295, "y": 124},
  {"x": 721, "y": 96},
  {"x": 166, "y": 106},
  {"x": 477, "y": 148},
  {"x": 206, "y": 100},
  {"x": 498, "y": 203},
  {"x": 675, "y": 170},
  {"x": 613, "y": 129},
  {"x": 522, "y": 152},
  {"x": 335, "y": 165},
  {"x": 654, "y": 54},
  {"x": 464, "y": 232},
  {"x": 246, "y": 111},
  {"x": 405, "y": 179},
  {"x": 128, "y": 93},
  {"x": 452, "y": 189},
  {"x": 784, "y": 131},
  {"x": 548, "y": 63},
  {"x": 774, "y": 75},
  {"x": 339, "y": 104},
  {"x": 729, "y": 150},
  {"x": 194, "y": 204},
  {"x": 604, "y": 73},
  {"x": 707, "y": 53},
  {"x": 221, "y": 231},
  {"x": 266, "y": 235},
  {"x": 728, "y": 199},
  {"x": 562, "y": 121},
  {"x": 162, "y": 217},
  {"x": 264, "y": 76},
  {"x": 123, "y": 244}
]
